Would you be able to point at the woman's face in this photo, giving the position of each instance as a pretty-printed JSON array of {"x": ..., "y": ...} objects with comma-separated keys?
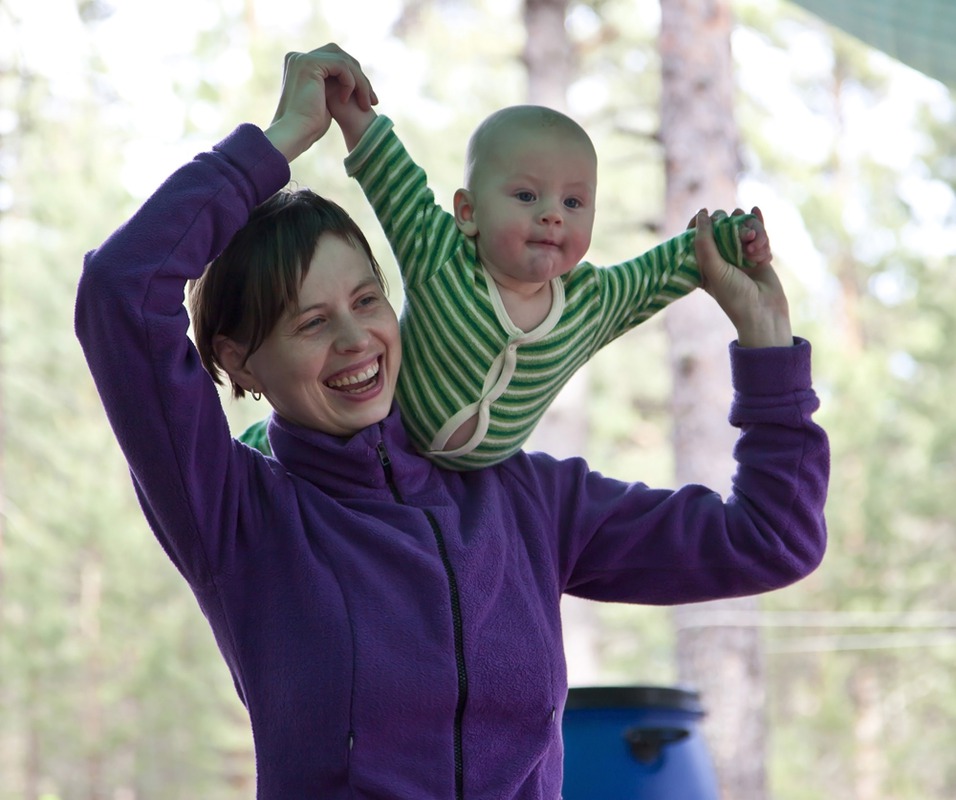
[{"x": 332, "y": 362}]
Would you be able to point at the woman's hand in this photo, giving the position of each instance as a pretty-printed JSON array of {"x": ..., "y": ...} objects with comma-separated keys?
[
  {"x": 753, "y": 299},
  {"x": 302, "y": 116}
]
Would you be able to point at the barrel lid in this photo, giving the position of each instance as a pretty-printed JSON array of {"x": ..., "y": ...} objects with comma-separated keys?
[{"x": 674, "y": 697}]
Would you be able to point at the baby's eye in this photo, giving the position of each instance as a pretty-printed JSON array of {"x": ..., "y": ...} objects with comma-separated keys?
[
  {"x": 525, "y": 196},
  {"x": 573, "y": 202}
]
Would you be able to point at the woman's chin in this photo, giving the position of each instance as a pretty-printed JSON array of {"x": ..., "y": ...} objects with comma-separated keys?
[{"x": 365, "y": 406}]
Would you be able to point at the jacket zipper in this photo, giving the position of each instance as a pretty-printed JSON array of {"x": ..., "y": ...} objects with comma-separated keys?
[{"x": 456, "y": 619}]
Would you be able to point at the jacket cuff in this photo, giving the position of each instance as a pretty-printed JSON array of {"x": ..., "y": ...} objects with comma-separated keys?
[
  {"x": 766, "y": 371},
  {"x": 248, "y": 149}
]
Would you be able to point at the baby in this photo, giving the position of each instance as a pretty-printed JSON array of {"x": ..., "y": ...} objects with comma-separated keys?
[{"x": 500, "y": 310}]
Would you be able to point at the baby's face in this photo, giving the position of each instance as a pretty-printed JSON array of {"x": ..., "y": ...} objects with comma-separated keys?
[{"x": 533, "y": 194}]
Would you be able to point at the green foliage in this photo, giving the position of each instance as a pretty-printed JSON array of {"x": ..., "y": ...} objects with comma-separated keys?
[
  {"x": 103, "y": 656},
  {"x": 881, "y": 329}
]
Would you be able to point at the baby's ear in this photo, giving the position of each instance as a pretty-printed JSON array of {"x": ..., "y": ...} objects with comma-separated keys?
[{"x": 465, "y": 213}]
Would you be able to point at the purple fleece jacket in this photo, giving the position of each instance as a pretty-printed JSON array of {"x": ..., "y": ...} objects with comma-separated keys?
[{"x": 393, "y": 628}]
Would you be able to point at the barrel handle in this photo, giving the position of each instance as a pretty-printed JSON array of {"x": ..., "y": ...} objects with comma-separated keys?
[{"x": 646, "y": 744}]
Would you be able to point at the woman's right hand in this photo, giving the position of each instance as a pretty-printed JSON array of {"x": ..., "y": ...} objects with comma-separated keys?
[{"x": 302, "y": 116}]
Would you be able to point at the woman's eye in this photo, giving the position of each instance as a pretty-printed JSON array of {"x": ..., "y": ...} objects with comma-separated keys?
[
  {"x": 368, "y": 300},
  {"x": 525, "y": 197},
  {"x": 313, "y": 323}
]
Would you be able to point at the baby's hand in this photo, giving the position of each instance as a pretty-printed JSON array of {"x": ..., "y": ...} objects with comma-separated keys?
[
  {"x": 352, "y": 110},
  {"x": 753, "y": 237}
]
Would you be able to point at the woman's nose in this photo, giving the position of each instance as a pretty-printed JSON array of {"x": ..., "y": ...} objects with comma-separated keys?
[{"x": 351, "y": 336}]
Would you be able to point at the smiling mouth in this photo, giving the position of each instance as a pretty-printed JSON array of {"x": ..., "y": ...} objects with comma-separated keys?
[{"x": 356, "y": 382}]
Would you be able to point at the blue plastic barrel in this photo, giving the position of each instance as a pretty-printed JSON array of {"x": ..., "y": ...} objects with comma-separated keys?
[{"x": 635, "y": 743}]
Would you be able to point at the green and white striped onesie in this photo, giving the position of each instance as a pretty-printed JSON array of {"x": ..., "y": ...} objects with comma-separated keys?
[{"x": 462, "y": 353}]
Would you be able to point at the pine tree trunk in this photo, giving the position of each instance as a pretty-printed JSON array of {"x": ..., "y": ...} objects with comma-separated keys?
[
  {"x": 548, "y": 53},
  {"x": 549, "y": 60},
  {"x": 564, "y": 430},
  {"x": 89, "y": 612},
  {"x": 869, "y": 759},
  {"x": 700, "y": 141}
]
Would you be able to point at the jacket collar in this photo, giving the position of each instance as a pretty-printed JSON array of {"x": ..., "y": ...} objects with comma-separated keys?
[{"x": 348, "y": 466}]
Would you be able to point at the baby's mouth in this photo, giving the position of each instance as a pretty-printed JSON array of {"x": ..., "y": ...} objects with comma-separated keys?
[{"x": 355, "y": 382}]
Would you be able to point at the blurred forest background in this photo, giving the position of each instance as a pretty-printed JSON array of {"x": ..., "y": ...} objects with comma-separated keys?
[{"x": 111, "y": 687}]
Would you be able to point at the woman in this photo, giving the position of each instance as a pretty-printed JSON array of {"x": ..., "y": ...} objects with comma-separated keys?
[{"x": 393, "y": 628}]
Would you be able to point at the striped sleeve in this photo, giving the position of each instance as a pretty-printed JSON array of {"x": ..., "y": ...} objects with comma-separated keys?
[
  {"x": 633, "y": 291},
  {"x": 421, "y": 233}
]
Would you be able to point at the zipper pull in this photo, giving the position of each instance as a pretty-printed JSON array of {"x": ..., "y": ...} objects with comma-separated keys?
[{"x": 386, "y": 462}]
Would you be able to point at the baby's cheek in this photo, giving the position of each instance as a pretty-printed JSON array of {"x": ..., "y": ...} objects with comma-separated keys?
[{"x": 507, "y": 238}]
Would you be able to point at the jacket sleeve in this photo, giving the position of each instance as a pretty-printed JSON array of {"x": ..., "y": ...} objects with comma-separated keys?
[
  {"x": 630, "y": 543},
  {"x": 132, "y": 325}
]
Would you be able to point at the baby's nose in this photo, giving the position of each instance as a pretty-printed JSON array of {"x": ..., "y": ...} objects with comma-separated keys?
[{"x": 551, "y": 213}]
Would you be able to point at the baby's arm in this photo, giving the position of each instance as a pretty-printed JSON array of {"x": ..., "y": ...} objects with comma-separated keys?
[
  {"x": 420, "y": 232},
  {"x": 635, "y": 290},
  {"x": 348, "y": 112}
]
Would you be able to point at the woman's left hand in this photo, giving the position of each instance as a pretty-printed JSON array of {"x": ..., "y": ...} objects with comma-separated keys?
[{"x": 752, "y": 298}]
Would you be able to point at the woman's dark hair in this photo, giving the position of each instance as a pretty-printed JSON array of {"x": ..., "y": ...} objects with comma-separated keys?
[{"x": 247, "y": 288}]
